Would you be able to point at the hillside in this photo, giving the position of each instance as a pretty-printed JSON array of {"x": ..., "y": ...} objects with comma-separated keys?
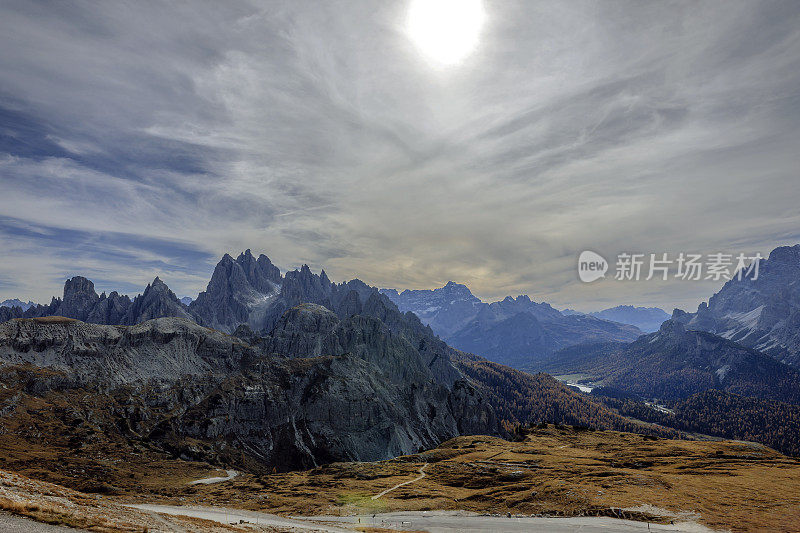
[
  {"x": 762, "y": 313},
  {"x": 675, "y": 363},
  {"x": 722, "y": 414},
  {"x": 529, "y": 399},
  {"x": 557, "y": 472}
]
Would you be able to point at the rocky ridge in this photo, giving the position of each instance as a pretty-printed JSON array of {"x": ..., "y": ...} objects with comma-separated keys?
[
  {"x": 763, "y": 314},
  {"x": 319, "y": 389}
]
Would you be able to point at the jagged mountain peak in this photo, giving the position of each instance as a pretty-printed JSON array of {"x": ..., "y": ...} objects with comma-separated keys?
[
  {"x": 238, "y": 292},
  {"x": 78, "y": 286},
  {"x": 761, "y": 313},
  {"x": 158, "y": 286}
]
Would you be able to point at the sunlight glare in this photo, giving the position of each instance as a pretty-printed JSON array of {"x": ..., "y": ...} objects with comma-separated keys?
[{"x": 445, "y": 31}]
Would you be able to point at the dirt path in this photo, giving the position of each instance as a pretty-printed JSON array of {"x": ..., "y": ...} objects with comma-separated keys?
[
  {"x": 465, "y": 522},
  {"x": 207, "y": 481},
  {"x": 421, "y": 475}
]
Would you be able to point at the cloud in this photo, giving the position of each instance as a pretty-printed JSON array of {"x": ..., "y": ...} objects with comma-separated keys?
[{"x": 169, "y": 134}]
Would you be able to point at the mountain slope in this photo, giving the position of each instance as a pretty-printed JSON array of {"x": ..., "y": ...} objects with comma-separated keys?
[
  {"x": 763, "y": 314},
  {"x": 201, "y": 393},
  {"x": 522, "y": 398},
  {"x": 674, "y": 363}
]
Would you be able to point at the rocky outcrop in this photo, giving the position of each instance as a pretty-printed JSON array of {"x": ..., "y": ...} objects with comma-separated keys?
[
  {"x": 240, "y": 291},
  {"x": 81, "y": 302},
  {"x": 79, "y": 299},
  {"x": 318, "y": 389},
  {"x": 763, "y": 314}
]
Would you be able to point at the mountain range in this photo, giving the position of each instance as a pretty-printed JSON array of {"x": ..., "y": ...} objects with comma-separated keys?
[
  {"x": 314, "y": 372},
  {"x": 514, "y": 331},
  {"x": 675, "y": 363},
  {"x": 292, "y": 370},
  {"x": 15, "y": 302}
]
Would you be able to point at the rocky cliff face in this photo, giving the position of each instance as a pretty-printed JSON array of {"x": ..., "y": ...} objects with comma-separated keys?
[
  {"x": 763, "y": 314},
  {"x": 81, "y": 302},
  {"x": 239, "y": 292},
  {"x": 514, "y": 331},
  {"x": 318, "y": 389}
]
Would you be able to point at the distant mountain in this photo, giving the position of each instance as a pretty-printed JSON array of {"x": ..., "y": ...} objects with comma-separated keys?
[
  {"x": 515, "y": 331},
  {"x": 763, "y": 314},
  {"x": 186, "y": 300},
  {"x": 647, "y": 319},
  {"x": 14, "y": 302},
  {"x": 446, "y": 309},
  {"x": 675, "y": 363}
]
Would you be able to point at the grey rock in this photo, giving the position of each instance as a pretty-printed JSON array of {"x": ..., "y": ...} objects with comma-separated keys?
[
  {"x": 239, "y": 292},
  {"x": 319, "y": 389},
  {"x": 763, "y": 314}
]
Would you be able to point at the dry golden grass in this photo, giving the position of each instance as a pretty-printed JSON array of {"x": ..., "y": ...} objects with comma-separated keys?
[
  {"x": 51, "y": 319},
  {"x": 725, "y": 485},
  {"x": 54, "y": 515}
]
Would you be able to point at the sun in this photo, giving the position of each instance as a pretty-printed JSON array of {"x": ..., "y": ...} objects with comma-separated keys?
[{"x": 445, "y": 31}]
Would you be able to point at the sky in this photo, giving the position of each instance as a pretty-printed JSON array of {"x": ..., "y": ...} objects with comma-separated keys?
[{"x": 149, "y": 138}]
